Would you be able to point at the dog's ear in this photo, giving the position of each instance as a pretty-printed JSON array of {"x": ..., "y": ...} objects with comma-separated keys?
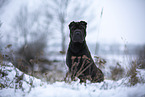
[
  {"x": 71, "y": 24},
  {"x": 83, "y": 23}
]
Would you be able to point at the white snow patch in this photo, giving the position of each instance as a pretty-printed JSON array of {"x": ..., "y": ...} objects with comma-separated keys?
[
  {"x": 107, "y": 88},
  {"x": 62, "y": 89}
]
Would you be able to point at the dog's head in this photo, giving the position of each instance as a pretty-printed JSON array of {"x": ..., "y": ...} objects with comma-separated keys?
[{"x": 78, "y": 31}]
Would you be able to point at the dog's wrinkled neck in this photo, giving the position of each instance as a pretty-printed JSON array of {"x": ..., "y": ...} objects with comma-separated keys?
[{"x": 77, "y": 47}]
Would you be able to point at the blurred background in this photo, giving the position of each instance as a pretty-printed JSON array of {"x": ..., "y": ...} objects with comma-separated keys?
[{"x": 34, "y": 34}]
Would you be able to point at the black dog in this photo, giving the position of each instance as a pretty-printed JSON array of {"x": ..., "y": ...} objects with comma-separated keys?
[{"x": 78, "y": 58}]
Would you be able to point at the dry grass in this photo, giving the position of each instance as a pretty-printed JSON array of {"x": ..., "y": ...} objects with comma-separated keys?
[
  {"x": 141, "y": 58},
  {"x": 117, "y": 72},
  {"x": 132, "y": 74},
  {"x": 29, "y": 55},
  {"x": 100, "y": 62},
  {"x": 74, "y": 70}
]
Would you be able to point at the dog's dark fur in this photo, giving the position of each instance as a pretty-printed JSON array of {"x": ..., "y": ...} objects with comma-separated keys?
[{"x": 79, "y": 60}]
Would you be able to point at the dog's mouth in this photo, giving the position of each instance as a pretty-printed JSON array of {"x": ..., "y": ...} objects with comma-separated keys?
[{"x": 77, "y": 36}]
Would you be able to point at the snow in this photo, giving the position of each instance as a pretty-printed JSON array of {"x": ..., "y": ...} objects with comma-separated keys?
[
  {"x": 107, "y": 88},
  {"x": 62, "y": 89}
]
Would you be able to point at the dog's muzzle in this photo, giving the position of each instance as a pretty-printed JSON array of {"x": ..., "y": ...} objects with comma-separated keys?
[{"x": 78, "y": 36}]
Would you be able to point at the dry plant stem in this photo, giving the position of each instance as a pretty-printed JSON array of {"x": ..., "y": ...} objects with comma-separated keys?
[
  {"x": 85, "y": 58},
  {"x": 66, "y": 76},
  {"x": 75, "y": 69},
  {"x": 74, "y": 66},
  {"x": 84, "y": 69},
  {"x": 74, "y": 72},
  {"x": 81, "y": 67},
  {"x": 77, "y": 64}
]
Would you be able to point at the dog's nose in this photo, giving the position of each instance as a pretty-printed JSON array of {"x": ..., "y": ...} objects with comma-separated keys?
[{"x": 78, "y": 32}]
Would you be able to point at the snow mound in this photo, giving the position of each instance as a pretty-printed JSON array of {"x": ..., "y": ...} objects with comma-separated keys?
[
  {"x": 75, "y": 89},
  {"x": 33, "y": 87}
]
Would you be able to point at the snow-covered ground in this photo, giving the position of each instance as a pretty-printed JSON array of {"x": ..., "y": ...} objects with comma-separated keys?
[
  {"x": 107, "y": 88},
  {"x": 61, "y": 89}
]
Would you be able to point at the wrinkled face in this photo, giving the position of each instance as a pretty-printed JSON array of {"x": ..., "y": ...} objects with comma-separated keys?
[{"x": 77, "y": 31}]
